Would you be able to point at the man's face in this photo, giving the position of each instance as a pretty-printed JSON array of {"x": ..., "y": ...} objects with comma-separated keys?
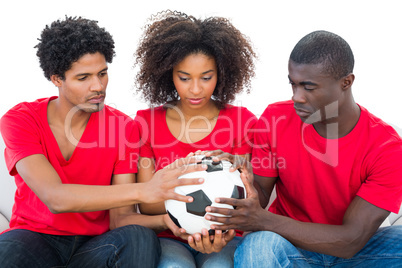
[
  {"x": 314, "y": 90},
  {"x": 85, "y": 84}
]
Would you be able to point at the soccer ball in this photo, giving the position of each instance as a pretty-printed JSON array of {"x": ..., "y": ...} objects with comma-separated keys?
[{"x": 218, "y": 182}]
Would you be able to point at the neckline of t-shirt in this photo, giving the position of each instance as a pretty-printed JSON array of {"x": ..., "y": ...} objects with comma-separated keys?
[
  {"x": 60, "y": 156},
  {"x": 348, "y": 137}
]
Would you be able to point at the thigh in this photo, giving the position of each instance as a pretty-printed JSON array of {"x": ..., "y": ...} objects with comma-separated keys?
[
  {"x": 128, "y": 246},
  {"x": 175, "y": 254},
  {"x": 221, "y": 259},
  {"x": 268, "y": 249},
  {"x": 23, "y": 248}
]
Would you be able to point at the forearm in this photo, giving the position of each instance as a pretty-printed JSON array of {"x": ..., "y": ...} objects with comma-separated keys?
[
  {"x": 154, "y": 222},
  {"x": 262, "y": 195},
  {"x": 335, "y": 240},
  {"x": 45, "y": 182},
  {"x": 153, "y": 209},
  {"x": 84, "y": 198}
]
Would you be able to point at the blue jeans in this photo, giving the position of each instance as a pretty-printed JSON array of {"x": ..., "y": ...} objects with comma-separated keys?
[
  {"x": 128, "y": 246},
  {"x": 178, "y": 254},
  {"x": 268, "y": 249}
]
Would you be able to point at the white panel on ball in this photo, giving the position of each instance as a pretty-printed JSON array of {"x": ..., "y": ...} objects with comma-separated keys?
[{"x": 218, "y": 182}]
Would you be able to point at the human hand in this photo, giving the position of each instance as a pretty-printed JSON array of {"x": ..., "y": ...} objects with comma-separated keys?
[
  {"x": 177, "y": 231},
  {"x": 205, "y": 243},
  {"x": 238, "y": 162},
  {"x": 248, "y": 214},
  {"x": 164, "y": 181}
]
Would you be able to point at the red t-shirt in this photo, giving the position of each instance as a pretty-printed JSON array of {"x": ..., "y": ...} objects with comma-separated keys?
[
  {"x": 232, "y": 133},
  {"x": 109, "y": 145},
  {"x": 318, "y": 177}
]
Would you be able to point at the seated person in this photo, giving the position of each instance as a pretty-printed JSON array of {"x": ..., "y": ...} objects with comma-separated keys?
[{"x": 73, "y": 159}]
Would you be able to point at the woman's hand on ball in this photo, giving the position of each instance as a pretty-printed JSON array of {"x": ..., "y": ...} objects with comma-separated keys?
[
  {"x": 179, "y": 232},
  {"x": 206, "y": 243},
  {"x": 238, "y": 161}
]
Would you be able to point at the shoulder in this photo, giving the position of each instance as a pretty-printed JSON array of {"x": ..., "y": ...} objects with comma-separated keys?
[
  {"x": 279, "y": 108},
  {"x": 25, "y": 111},
  {"x": 237, "y": 111},
  {"x": 379, "y": 129},
  {"x": 30, "y": 106},
  {"x": 147, "y": 113},
  {"x": 110, "y": 111},
  {"x": 147, "y": 117}
]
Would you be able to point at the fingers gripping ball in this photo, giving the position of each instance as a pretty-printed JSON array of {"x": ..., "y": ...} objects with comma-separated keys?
[{"x": 218, "y": 182}]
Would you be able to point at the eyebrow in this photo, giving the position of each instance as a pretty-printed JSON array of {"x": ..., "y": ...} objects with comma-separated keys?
[
  {"x": 201, "y": 73},
  {"x": 304, "y": 83},
  {"x": 84, "y": 74}
]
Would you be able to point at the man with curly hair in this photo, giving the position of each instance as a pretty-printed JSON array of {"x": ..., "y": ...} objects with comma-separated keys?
[{"x": 73, "y": 159}]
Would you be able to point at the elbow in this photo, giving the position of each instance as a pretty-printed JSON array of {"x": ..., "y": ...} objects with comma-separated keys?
[
  {"x": 351, "y": 250},
  {"x": 347, "y": 254},
  {"x": 55, "y": 204},
  {"x": 56, "y": 208},
  {"x": 350, "y": 247}
]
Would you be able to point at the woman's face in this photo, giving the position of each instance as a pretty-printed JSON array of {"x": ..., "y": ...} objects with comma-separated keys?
[{"x": 195, "y": 79}]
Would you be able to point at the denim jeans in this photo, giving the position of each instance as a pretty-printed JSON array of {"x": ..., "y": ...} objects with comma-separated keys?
[
  {"x": 128, "y": 246},
  {"x": 179, "y": 254},
  {"x": 267, "y": 249}
]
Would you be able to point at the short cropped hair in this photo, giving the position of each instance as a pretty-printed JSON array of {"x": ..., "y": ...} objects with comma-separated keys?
[
  {"x": 326, "y": 48},
  {"x": 66, "y": 41},
  {"x": 171, "y": 36}
]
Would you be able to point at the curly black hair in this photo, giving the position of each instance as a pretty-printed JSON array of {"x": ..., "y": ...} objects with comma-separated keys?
[
  {"x": 326, "y": 48},
  {"x": 172, "y": 35},
  {"x": 64, "y": 42}
]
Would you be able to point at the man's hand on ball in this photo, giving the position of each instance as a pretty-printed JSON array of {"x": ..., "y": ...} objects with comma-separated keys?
[
  {"x": 247, "y": 214},
  {"x": 164, "y": 181},
  {"x": 205, "y": 243}
]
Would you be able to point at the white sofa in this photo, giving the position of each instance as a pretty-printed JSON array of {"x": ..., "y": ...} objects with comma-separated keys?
[{"x": 7, "y": 190}]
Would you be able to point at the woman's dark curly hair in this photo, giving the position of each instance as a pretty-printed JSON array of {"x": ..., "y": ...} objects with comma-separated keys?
[
  {"x": 64, "y": 42},
  {"x": 172, "y": 36}
]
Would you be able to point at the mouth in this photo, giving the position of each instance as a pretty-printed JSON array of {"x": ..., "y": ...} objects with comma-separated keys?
[
  {"x": 301, "y": 112},
  {"x": 97, "y": 99},
  {"x": 195, "y": 101}
]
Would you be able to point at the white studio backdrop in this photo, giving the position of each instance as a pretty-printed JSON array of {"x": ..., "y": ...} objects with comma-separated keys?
[{"x": 372, "y": 28}]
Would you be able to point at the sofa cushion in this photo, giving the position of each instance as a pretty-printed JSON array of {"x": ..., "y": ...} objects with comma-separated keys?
[
  {"x": 7, "y": 186},
  {"x": 398, "y": 221},
  {"x": 3, "y": 223}
]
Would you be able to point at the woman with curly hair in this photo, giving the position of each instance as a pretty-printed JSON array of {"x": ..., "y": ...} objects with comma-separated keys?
[{"x": 190, "y": 70}]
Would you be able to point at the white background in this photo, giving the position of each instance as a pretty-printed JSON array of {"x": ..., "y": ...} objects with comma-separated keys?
[{"x": 372, "y": 28}]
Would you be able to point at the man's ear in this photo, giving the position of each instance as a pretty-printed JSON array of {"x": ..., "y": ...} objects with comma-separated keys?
[
  {"x": 347, "y": 81},
  {"x": 56, "y": 80}
]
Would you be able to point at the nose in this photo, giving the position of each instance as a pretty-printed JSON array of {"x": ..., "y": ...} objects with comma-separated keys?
[
  {"x": 298, "y": 95},
  {"x": 96, "y": 84},
  {"x": 195, "y": 87}
]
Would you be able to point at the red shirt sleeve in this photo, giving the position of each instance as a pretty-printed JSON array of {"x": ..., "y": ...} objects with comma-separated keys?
[
  {"x": 19, "y": 135},
  {"x": 383, "y": 186}
]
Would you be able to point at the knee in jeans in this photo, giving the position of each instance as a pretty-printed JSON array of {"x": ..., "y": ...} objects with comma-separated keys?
[
  {"x": 262, "y": 241},
  {"x": 140, "y": 234}
]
